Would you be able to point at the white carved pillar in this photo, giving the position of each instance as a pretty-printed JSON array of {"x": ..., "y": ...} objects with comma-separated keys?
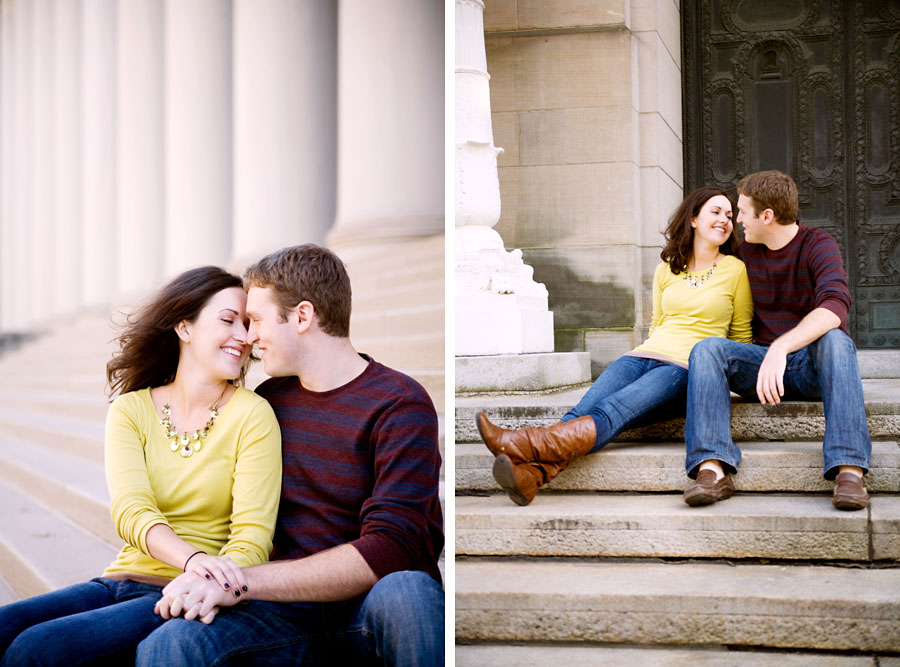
[
  {"x": 98, "y": 245},
  {"x": 66, "y": 243},
  {"x": 198, "y": 147},
  {"x": 499, "y": 307},
  {"x": 140, "y": 147},
  {"x": 7, "y": 170},
  {"x": 285, "y": 124},
  {"x": 390, "y": 121}
]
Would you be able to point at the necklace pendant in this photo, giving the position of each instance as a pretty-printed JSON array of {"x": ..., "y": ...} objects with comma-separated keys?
[
  {"x": 173, "y": 445},
  {"x": 186, "y": 451}
]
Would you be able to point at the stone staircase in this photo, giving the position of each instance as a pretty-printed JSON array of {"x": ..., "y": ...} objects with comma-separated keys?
[
  {"x": 55, "y": 527},
  {"x": 608, "y": 566}
]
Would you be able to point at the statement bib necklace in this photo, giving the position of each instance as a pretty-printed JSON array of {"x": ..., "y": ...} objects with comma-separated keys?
[
  {"x": 186, "y": 444},
  {"x": 694, "y": 280}
]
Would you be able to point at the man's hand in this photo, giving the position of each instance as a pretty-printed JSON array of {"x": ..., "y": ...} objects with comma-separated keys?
[
  {"x": 770, "y": 380},
  {"x": 195, "y": 597}
]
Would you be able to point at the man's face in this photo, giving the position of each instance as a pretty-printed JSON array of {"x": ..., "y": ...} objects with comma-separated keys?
[
  {"x": 277, "y": 340},
  {"x": 754, "y": 230}
]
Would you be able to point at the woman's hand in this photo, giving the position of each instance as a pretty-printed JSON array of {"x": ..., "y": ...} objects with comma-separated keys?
[{"x": 221, "y": 569}]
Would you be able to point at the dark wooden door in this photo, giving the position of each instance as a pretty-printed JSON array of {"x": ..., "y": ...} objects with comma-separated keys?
[{"x": 812, "y": 88}]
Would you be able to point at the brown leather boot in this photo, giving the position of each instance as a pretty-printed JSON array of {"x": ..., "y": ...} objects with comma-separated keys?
[
  {"x": 530, "y": 457},
  {"x": 520, "y": 481}
]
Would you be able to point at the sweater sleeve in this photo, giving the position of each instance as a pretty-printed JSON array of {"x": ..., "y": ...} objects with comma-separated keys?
[
  {"x": 132, "y": 501},
  {"x": 829, "y": 279},
  {"x": 741, "y": 328},
  {"x": 395, "y": 526},
  {"x": 256, "y": 488}
]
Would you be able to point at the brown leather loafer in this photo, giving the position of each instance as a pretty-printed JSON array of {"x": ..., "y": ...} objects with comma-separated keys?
[
  {"x": 849, "y": 492},
  {"x": 706, "y": 490}
]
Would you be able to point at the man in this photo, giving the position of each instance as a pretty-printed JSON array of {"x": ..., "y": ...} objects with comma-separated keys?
[
  {"x": 354, "y": 577},
  {"x": 802, "y": 349}
]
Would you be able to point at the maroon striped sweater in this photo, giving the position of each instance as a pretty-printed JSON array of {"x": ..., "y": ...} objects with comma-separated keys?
[
  {"x": 790, "y": 282},
  {"x": 361, "y": 465}
]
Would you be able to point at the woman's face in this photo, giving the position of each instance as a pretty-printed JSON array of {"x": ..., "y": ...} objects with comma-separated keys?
[
  {"x": 217, "y": 339},
  {"x": 713, "y": 223}
]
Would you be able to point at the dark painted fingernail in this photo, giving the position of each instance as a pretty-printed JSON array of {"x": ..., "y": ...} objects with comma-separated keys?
[
  {"x": 237, "y": 594},
  {"x": 227, "y": 587},
  {"x": 244, "y": 588},
  {"x": 208, "y": 577}
]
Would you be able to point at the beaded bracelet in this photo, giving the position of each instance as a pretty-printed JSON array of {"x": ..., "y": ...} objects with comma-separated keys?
[{"x": 189, "y": 558}]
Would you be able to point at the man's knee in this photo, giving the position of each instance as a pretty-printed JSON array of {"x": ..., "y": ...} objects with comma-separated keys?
[{"x": 407, "y": 589}]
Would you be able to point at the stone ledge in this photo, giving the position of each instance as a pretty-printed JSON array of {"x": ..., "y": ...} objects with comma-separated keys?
[
  {"x": 658, "y": 526},
  {"x": 800, "y": 607},
  {"x": 530, "y": 372},
  {"x": 659, "y": 467},
  {"x": 508, "y": 655},
  {"x": 789, "y": 420}
]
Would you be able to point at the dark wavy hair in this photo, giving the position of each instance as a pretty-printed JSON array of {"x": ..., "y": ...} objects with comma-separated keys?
[
  {"x": 149, "y": 347},
  {"x": 680, "y": 235}
]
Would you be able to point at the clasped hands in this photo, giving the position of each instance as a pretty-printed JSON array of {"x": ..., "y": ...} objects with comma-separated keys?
[{"x": 209, "y": 583}]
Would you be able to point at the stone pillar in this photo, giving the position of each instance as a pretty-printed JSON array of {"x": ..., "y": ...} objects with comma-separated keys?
[
  {"x": 390, "y": 122},
  {"x": 285, "y": 124},
  {"x": 499, "y": 307},
  {"x": 197, "y": 134},
  {"x": 140, "y": 147},
  {"x": 98, "y": 245},
  {"x": 68, "y": 158},
  {"x": 43, "y": 218},
  {"x": 18, "y": 161}
]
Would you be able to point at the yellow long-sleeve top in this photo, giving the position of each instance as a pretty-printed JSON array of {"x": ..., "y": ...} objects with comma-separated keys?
[
  {"x": 223, "y": 499},
  {"x": 722, "y": 306}
]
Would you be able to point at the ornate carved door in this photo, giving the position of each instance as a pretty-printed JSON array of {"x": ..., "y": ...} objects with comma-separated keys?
[{"x": 811, "y": 87}]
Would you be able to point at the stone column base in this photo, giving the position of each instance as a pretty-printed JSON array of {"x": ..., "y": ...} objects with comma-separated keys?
[
  {"x": 503, "y": 324},
  {"x": 522, "y": 372}
]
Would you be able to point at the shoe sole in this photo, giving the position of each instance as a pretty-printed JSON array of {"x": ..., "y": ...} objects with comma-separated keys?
[
  {"x": 706, "y": 497},
  {"x": 849, "y": 504},
  {"x": 506, "y": 478}
]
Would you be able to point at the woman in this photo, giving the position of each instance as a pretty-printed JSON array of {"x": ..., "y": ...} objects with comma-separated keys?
[
  {"x": 193, "y": 464},
  {"x": 699, "y": 290}
]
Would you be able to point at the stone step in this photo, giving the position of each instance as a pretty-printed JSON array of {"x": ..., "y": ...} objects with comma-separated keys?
[
  {"x": 7, "y": 594},
  {"x": 65, "y": 484},
  {"x": 507, "y": 655},
  {"x": 82, "y": 438},
  {"x": 663, "y": 526},
  {"x": 789, "y": 420},
  {"x": 41, "y": 551},
  {"x": 797, "y": 607},
  {"x": 79, "y": 405},
  {"x": 659, "y": 467}
]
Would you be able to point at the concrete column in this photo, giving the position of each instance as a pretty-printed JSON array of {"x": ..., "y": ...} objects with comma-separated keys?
[
  {"x": 67, "y": 239},
  {"x": 499, "y": 307},
  {"x": 390, "y": 121},
  {"x": 140, "y": 148},
  {"x": 197, "y": 134},
  {"x": 18, "y": 286},
  {"x": 43, "y": 221},
  {"x": 285, "y": 124},
  {"x": 8, "y": 59},
  {"x": 98, "y": 242}
]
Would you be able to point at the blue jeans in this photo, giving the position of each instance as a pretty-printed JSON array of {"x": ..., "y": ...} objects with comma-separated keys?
[
  {"x": 399, "y": 622},
  {"x": 631, "y": 391},
  {"x": 98, "y": 622},
  {"x": 824, "y": 370}
]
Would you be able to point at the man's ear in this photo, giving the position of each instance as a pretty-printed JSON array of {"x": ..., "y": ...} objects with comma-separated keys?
[
  {"x": 305, "y": 314},
  {"x": 183, "y": 331},
  {"x": 768, "y": 216}
]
